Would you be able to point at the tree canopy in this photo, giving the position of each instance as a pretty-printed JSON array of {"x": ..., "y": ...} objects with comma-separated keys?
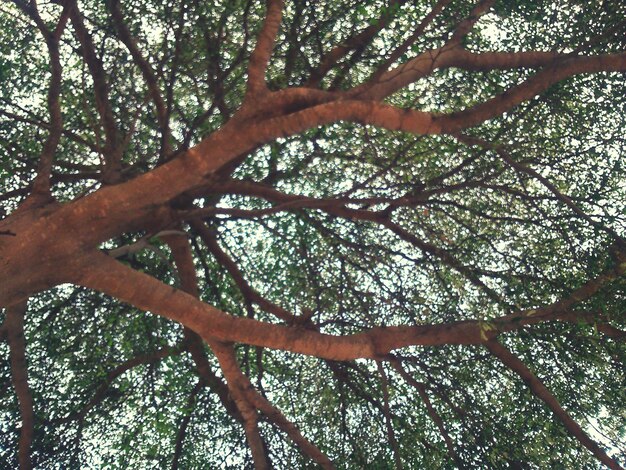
[{"x": 348, "y": 234}]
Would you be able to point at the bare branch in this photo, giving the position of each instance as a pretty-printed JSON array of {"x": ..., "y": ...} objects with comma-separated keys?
[
  {"x": 181, "y": 252},
  {"x": 242, "y": 390},
  {"x": 240, "y": 385},
  {"x": 265, "y": 43},
  {"x": 143, "y": 291}
]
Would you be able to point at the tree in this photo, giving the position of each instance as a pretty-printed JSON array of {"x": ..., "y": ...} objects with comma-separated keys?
[{"x": 354, "y": 234}]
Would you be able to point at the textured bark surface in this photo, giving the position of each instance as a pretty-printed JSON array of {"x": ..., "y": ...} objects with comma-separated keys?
[{"x": 45, "y": 242}]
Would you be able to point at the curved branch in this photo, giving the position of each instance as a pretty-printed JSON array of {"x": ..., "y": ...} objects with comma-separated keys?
[
  {"x": 250, "y": 294},
  {"x": 242, "y": 390},
  {"x": 181, "y": 252},
  {"x": 107, "y": 275},
  {"x": 528, "y": 89},
  {"x": 357, "y": 41},
  {"x": 455, "y": 57},
  {"x": 111, "y": 150},
  {"x": 41, "y": 183},
  {"x": 240, "y": 386},
  {"x": 402, "y": 48}
]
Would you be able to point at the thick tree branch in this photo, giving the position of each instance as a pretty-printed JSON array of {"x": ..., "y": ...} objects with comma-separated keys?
[
  {"x": 536, "y": 84},
  {"x": 181, "y": 252},
  {"x": 143, "y": 291},
  {"x": 243, "y": 392},
  {"x": 364, "y": 112},
  {"x": 240, "y": 385},
  {"x": 260, "y": 57},
  {"x": 446, "y": 57}
]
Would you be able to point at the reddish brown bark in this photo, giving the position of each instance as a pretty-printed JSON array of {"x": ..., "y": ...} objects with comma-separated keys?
[
  {"x": 46, "y": 243},
  {"x": 246, "y": 399}
]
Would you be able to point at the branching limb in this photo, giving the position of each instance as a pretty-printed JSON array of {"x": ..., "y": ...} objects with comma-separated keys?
[
  {"x": 107, "y": 275},
  {"x": 402, "y": 48},
  {"x": 14, "y": 322},
  {"x": 181, "y": 252},
  {"x": 509, "y": 160},
  {"x": 391, "y": 436},
  {"x": 239, "y": 382},
  {"x": 445, "y": 57},
  {"x": 526, "y": 90},
  {"x": 465, "y": 26},
  {"x": 241, "y": 389},
  {"x": 41, "y": 183},
  {"x": 421, "y": 389},
  {"x": 541, "y": 391},
  {"x": 251, "y": 295},
  {"x": 357, "y": 41},
  {"x": 148, "y": 74},
  {"x": 112, "y": 148},
  {"x": 260, "y": 57},
  {"x": 184, "y": 423}
]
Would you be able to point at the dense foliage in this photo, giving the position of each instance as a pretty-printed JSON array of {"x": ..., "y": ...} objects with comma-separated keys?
[{"x": 492, "y": 236}]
